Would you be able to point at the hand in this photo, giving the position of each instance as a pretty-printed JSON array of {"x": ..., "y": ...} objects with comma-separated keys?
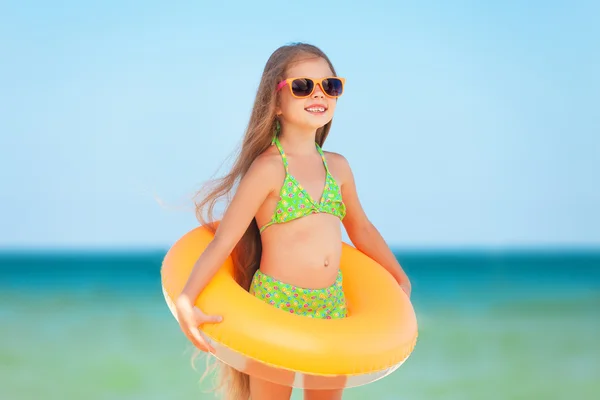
[{"x": 190, "y": 317}]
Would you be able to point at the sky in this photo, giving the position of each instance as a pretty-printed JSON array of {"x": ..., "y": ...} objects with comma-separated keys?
[{"x": 467, "y": 124}]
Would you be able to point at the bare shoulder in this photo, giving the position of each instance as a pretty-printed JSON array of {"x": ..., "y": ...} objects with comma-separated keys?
[
  {"x": 338, "y": 165},
  {"x": 336, "y": 158},
  {"x": 267, "y": 166},
  {"x": 268, "y": 160}
]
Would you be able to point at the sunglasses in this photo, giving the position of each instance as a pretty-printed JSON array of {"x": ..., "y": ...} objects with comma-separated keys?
[{"x": 302, "y": 88}]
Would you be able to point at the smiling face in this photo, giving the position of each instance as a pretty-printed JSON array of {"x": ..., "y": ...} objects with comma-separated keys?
[{"x": 314, "y": 111}]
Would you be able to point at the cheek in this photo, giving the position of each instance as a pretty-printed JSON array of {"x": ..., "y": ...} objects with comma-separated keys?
[
  {"x": 291, "y": 107},
  {"x": 332, "y": 106}
]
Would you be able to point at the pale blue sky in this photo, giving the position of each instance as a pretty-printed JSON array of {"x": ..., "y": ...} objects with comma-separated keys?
[{"x": 485, "y": 133}]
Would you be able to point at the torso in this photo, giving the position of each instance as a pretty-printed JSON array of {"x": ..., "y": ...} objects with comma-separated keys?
[{"x": 306, "y": 251}]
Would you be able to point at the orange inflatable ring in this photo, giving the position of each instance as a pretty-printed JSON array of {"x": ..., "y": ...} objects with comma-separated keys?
[{"x": 258, "y": 339}]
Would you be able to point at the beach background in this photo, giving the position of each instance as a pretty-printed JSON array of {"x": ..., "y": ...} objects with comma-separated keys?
[{"x": 484, "y": 117}]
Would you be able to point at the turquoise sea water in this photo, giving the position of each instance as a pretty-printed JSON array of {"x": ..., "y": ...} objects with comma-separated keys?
[{"x": 493, "y": 325}]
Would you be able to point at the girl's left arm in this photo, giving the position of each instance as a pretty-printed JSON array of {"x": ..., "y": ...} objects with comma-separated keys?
[{"x": 363, "y": 234}]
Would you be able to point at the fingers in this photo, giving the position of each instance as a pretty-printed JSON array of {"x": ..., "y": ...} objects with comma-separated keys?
[
  {"x": 197, "y": 340},
  {"x": 190, "y": 328},
  {"x": 202, "y": 318},
  {"x": 191, "y": 331},
  {"x": 213, "y": 318}
]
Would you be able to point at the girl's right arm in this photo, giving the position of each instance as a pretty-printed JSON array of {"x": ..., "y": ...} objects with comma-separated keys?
[{"x": 253, "y": 189}]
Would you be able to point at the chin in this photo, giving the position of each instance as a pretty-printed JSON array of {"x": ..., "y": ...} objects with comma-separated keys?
[
  {"x": 311, "y": 122},
  {"x": 318, "y": 124}
]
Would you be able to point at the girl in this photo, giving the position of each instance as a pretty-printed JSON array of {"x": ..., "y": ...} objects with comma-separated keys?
[{"x": 282, "y": 226}]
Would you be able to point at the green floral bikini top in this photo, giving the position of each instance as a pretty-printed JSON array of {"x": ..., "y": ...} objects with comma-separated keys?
[{"x": 295, "y": 202}]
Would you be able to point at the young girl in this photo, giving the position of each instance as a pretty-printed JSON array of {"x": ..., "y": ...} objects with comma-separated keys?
[{"x": 282, "y": 226}]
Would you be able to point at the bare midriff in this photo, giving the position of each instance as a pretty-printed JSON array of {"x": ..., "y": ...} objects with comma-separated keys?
[{"x": 304, "y": 252}]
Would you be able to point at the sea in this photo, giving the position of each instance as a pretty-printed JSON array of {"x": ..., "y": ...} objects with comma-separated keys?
[{"x": 493, "y": 324}]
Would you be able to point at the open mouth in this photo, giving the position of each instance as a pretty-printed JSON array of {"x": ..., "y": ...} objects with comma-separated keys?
[{"x": 316, "y": 109}]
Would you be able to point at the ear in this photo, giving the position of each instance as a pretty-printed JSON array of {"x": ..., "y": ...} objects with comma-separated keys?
[{"x": 278, "y": 111}]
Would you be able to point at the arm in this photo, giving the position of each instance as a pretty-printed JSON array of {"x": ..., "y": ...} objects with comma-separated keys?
[
  {"x": 363, "y": 233},
  {"x": 254, "y": 187}
]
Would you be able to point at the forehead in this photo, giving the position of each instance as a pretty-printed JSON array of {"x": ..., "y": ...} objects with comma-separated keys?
[{"x": 314, "y": 67}]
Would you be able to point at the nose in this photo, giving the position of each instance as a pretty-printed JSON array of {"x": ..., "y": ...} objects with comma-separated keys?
[{"x": 318, "y": 92}]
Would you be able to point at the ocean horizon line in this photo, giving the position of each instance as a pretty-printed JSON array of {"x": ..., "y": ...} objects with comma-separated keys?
[{"x": 552, "y": 249}]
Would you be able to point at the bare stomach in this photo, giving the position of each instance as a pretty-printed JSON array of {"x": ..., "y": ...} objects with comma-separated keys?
[{"x": 304, "y": 252}]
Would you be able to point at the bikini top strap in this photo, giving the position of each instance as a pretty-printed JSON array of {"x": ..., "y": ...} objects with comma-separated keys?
[
  {"x": 283, "y": 156},
  {"x": 322, "y": 157}
]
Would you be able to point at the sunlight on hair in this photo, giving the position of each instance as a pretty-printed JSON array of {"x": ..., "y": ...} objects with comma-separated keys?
[{"x": 225, "y": 381}]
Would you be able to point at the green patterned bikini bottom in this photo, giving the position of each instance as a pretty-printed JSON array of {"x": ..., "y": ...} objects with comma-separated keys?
[{"x": 326, "y": 303}]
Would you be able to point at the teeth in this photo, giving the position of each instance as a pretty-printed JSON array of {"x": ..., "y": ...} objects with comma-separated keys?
[{"x": 316, "y": 109}]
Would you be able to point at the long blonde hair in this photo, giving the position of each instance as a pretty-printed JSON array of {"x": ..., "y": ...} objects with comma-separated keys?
[{"x": 259, "y": 133}]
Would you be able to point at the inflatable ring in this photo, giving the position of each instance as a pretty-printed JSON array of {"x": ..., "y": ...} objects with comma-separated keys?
[{"x": 258, "y": 339}]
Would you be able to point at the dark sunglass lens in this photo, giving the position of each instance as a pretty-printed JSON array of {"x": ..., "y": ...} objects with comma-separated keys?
[
  {"x": 333, "y": 86},
  {"x": 302, "y": 87}
]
